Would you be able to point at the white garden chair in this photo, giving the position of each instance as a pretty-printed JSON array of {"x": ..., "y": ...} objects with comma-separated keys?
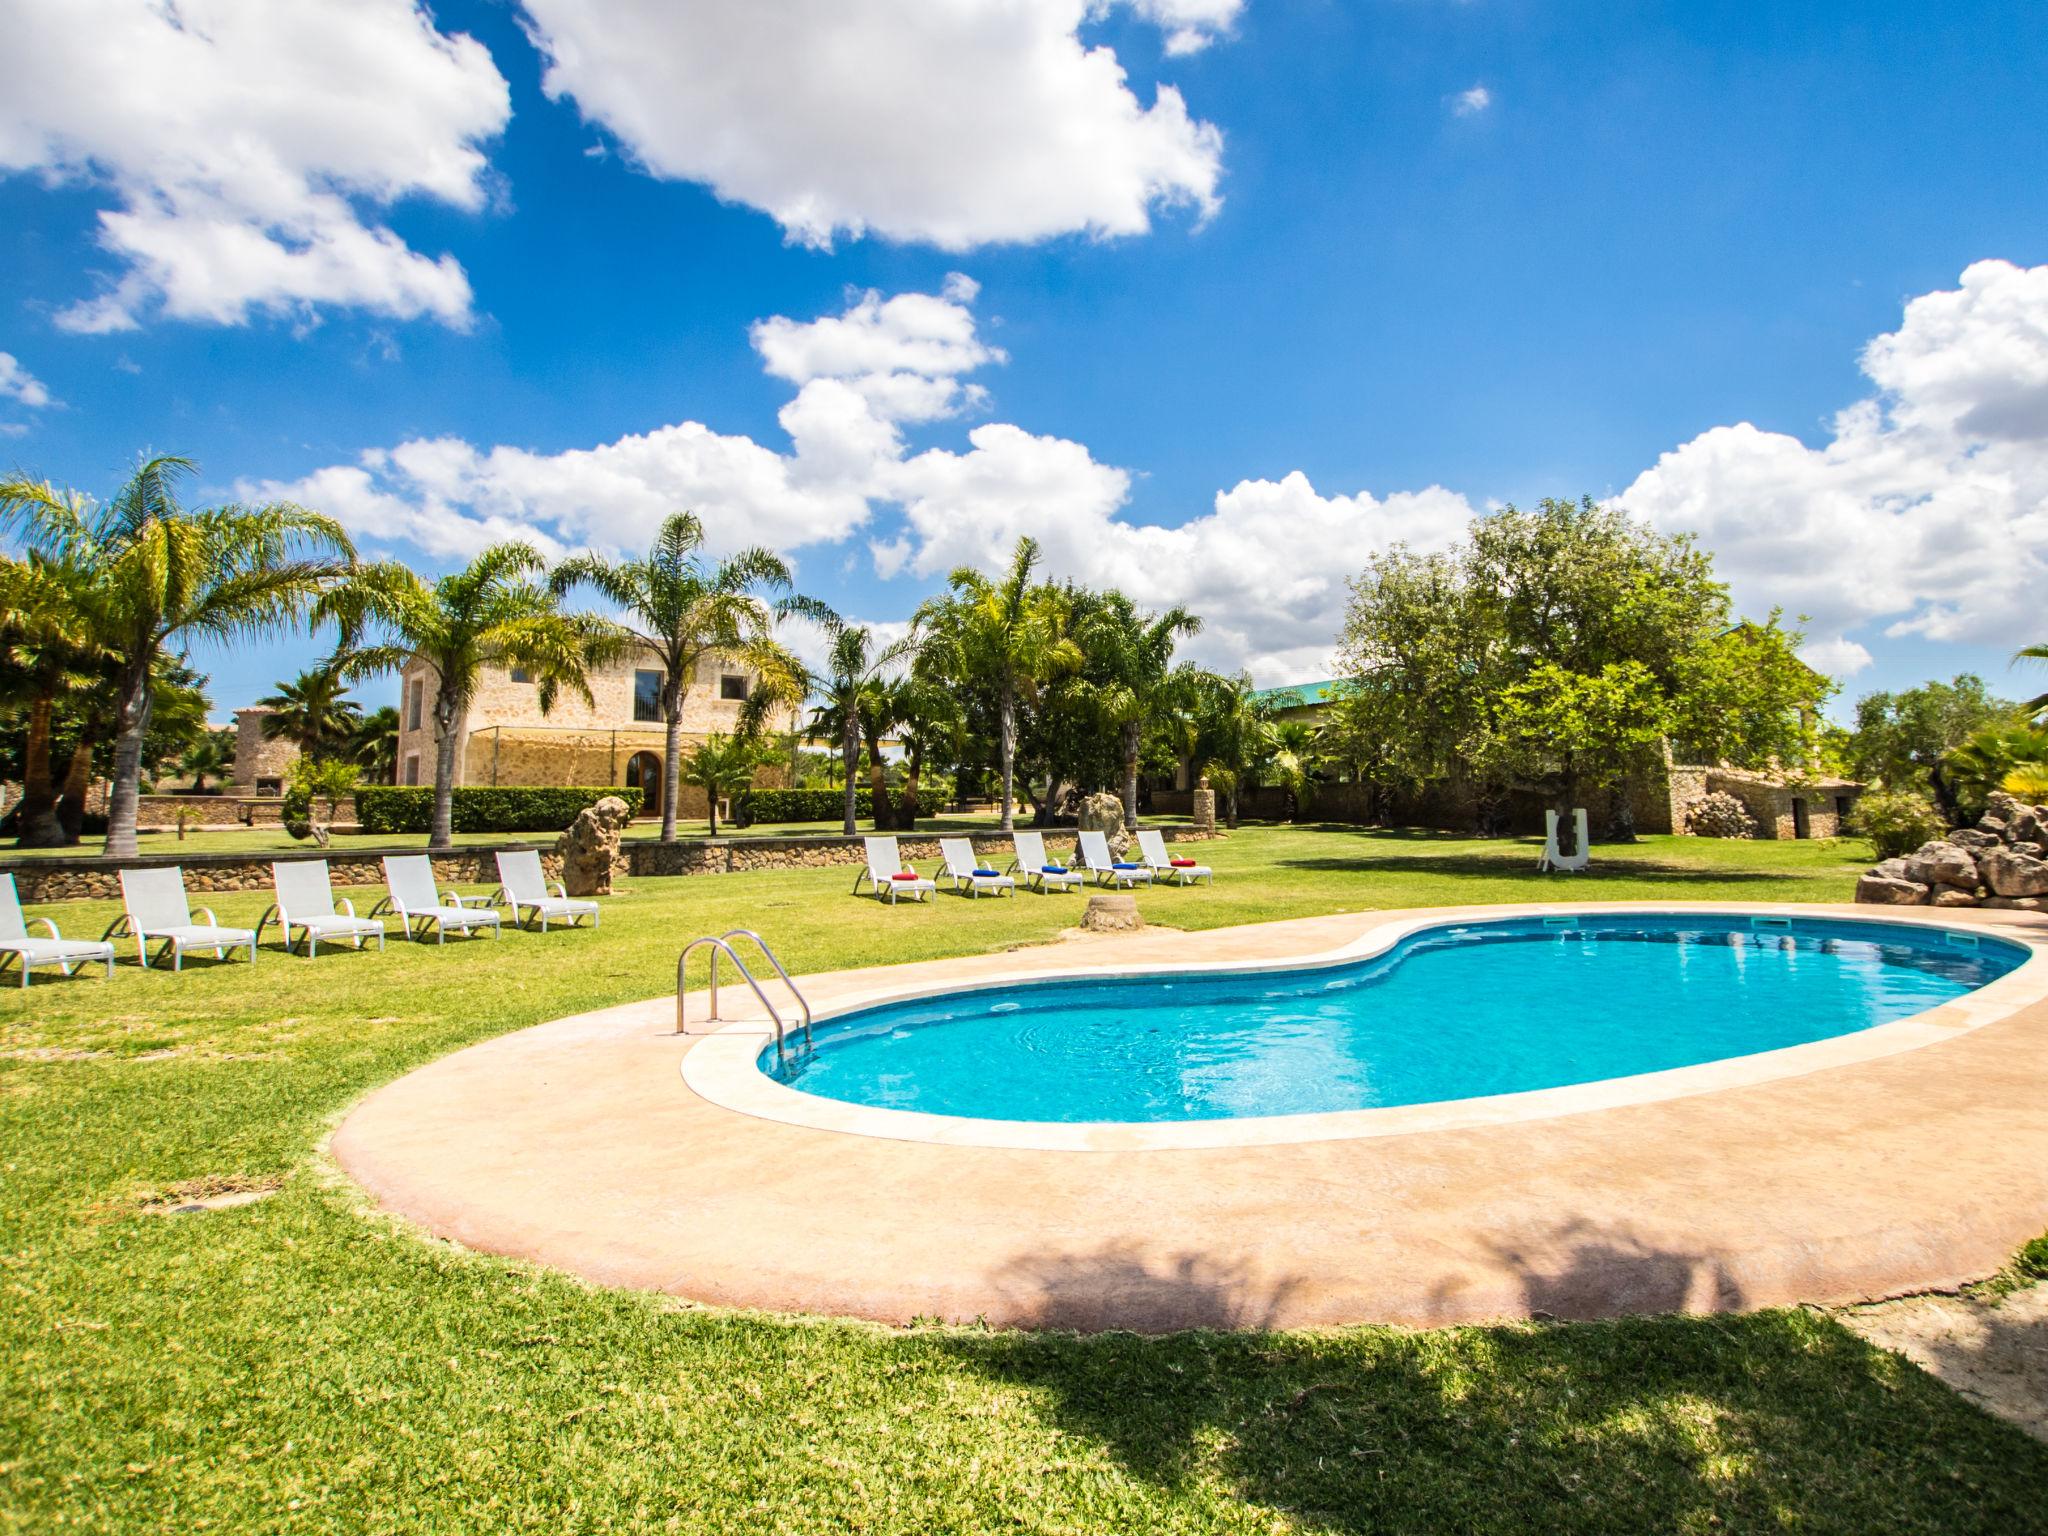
[
  {"x": 305, "y": 901},
  {"x": 1038, "y": 870},
  {"x": 1152, "y": 844},
  {"x": 155, "y": 907},
  {"x": 1563, "y": 863},
  {"x": 964, "y": 869},
  {"x": 524, "y": 886},
  {"x": 1121, "y": 873},
  {"x": 892, "y": 877},
  {"x": 55, "y": 950},
  {"x": 409, "y": 884}
]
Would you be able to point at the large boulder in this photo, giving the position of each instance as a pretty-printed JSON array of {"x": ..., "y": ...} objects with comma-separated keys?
[
  {"x": 1874, "y": 889},
  {"x": 1942, "y": 863},
  {"x": 2009, "y": 873},
  {"x": 1974, "y": 838},
  {"x": 590, "y": 848},
  {"x": 1949, "y": 896},
  {"x": 1104, "y": 812},
  {"x": 2024, "y": 826}
]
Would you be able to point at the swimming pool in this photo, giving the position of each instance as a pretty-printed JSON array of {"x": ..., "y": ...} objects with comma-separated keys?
[{"x": 1453, "y": 1011}]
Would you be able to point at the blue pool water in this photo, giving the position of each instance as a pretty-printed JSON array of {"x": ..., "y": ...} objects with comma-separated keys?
[{"x": 1449, "y": 1013}]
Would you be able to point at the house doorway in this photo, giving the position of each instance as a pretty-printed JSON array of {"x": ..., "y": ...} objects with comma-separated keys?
[
  {"x": 1799, "y": 823},
  {"x": 643, "y": 772}
]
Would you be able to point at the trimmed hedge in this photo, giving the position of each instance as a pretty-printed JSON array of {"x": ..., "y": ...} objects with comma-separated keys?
[
  {"x": 482, "y": 808},
  {"x": 758, "y": 805}
]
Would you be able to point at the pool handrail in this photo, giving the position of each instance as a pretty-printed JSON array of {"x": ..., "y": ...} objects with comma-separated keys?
[{"x": 720, "y": 944}]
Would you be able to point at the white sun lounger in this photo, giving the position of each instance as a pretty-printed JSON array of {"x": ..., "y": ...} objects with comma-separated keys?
[
  {"x": 305, "y": 901},
  {"x": 964, "y": 869},
  {"x": 55, "y": 950},
  {"x": 1572, "y": 863},
  {"x": 525, "y": 889},
  {"x": 1153, "y": 845},
  {"x": 156, "y": 909},
  {"x": 409, "y": 880},
  {"x": 1108, "y": 871},
  {"x": 1038, "y": 870},
  {"x": 885, "y": 867}
]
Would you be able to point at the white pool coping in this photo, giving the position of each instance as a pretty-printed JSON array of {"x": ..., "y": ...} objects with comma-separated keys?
[{"x": 722, "y": 1068}]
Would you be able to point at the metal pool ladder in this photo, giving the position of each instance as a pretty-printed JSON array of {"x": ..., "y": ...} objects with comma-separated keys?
[{"x": 721, "y": 944}]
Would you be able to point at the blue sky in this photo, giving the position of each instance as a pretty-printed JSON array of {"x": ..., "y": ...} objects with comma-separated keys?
[{"x": 1380, "y": 265}]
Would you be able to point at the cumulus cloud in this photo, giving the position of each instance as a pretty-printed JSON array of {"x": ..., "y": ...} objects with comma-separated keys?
[
  {"x": 244, "y": 145},
  {"x": 1470, "y": 103},
  {"x": 19, "y": 385},
  {"x": 1925, "y": 509},
  {"x": 903, "y": 355},
  {"x": 953, "y": 125}
]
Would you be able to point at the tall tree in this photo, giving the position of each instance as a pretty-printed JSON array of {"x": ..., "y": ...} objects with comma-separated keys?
[
  {"x": 682, "y": 608},
  {"x": 160, "y": 573},
  {"x": 211, "y": 756},
  {"x": 1133, "y": 651},
  {"x": 491, "y": 613},
  {"x": 373, "y": 744},
  {"x": 46, "y": 642},
  {"x": 724, "y": 765},
  {"x": 1904, "y": 738},
  {"x": 992, "y": 629},
  {"x": 854, "y": 665},
  {"x": 313, "y": 711}
]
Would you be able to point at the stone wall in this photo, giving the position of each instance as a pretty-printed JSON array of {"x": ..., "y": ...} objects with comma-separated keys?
[
  {"x": 43, "y": 880},
  {"x": 258, "y": 756}
]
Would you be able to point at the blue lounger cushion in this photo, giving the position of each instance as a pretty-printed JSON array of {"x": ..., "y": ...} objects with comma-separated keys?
[
  {"x": 1055, "y": 869},
  {"x": 988, "y": 874},
  {"x": 1121, "y": 865}
]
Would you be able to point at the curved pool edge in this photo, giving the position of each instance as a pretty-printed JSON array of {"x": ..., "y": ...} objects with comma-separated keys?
[{"x": 722, "y": 1067}]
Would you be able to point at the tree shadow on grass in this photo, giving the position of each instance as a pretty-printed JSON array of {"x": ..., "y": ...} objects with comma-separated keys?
[
  {"x": 1506, "y": 865},
  {"x": 1768, "y": 1421}
]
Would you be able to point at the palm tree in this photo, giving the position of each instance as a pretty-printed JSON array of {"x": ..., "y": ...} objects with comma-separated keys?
[
  {"x": 853, "y": 667},
  {"x": 2039, "y": 705},
  {"x": 491, "y": 613},
  {"x": 995, "y": 632},
  {"x": 373, "y": 744},
  {"x": 931, "y": 724},
  {"x": 212, "y": 753},
  {"x": 682, "y": 609},
  {"x": 313, "y": 711},
  {"x": 723, "y": 765},
  {"x": 45, "y": 639},
  {"x": 1134, "y": 653},
  {"x": 157, "y": 573},
  {"x": 1232, "y": 733}
]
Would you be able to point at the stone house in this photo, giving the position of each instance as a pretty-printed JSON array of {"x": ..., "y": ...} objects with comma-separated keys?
[
  {"x": 619, "y": 739},
  {"x": 261, "y": 761}
]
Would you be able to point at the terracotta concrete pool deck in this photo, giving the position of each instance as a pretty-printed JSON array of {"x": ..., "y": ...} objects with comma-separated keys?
[{"x": 1844, "y": 1174}]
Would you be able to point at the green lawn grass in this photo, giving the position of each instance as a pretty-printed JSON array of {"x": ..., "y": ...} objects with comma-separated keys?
[{"x": 303, "y": 1364}]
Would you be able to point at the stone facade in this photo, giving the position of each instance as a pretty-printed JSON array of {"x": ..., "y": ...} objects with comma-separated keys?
[
  {"x": 260, "y": 761},
  {"x": 507, "y": 740}
]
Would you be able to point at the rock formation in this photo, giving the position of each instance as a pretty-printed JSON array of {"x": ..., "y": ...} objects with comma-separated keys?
[
  {"x": 2001, "y": 862},
  {"x": 590, "y": 848},
  {"x": 1104, "y": 813}
]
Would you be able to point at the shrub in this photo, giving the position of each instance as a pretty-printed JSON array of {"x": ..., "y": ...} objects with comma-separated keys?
[
  {"x": 1720, "y": 814},
  {"x": 384, "y": 808},
  {"x": 1897, "y": 821},
  {"x": 758, "y": 805}
]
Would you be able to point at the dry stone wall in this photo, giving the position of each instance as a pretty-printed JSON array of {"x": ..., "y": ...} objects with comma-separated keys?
[{"x": 2002, "y": 862}]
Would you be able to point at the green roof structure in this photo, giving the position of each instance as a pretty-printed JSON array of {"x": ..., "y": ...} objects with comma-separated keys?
[{"x": 1296, "y": 695}]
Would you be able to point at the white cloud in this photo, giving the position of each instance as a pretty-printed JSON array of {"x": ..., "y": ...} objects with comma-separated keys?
[
  {"x": 18, "y": 384},
  {"x": 903, "y": 355},
  {"x": 244, "y": 142},
  {"x": 1470, "y": 103},
  {"x": 1189, "y": 25},
  {"x": 954, "y": 125},
  {"x": 1926, "y": 509}
]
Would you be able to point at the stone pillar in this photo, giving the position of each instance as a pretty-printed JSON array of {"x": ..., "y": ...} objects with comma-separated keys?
[{"x": 1204, "y": 806}]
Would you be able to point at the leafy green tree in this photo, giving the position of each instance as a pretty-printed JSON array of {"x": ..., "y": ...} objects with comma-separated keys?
[
  {"x": 682, "y": 608},
  {"x": 1000, "y": 632},
  {"x": 724, "y": 765},
  {"x": 1132, "y": 652},
  {"x": 1896, "y": 821},
  {"x": 491, "y": 613},
  {"x": 46, "y": 649},
  {"x": 156, "y": 574},
  {"x": 1904, "y": 739},
  {"x": 1233, "y": 733},
  {"x": 1990, "y": 756},
  {"x": 854, "y": 666},
  {"x": 314, "y": 712},
  {"x": 1556, "y": 649}
]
